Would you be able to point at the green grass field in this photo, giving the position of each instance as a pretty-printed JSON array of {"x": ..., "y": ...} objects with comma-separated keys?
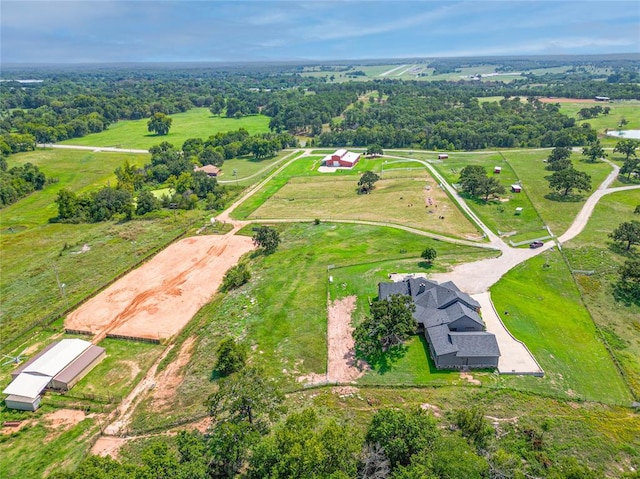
[
  {"x": 592, "y": 252},
  {"x": 400, "y": 201},
  {"x": 529, "y": 167},
  {"x": 195, "y": 123},
  {"x": 34, "y": 249},
  {"x": 499, "y": 215},
  {"x": 546, "y": 313},
  {"x": 282, "y": 313}
]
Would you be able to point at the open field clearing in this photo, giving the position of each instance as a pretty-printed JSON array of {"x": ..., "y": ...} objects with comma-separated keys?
[
  {"x": 34, "y": 250},
  {"x": 417, "y": 202},
  {"x": 282, "y": 312},
  {"x": 555, "y": 212},
  {"x": 545, "y": 311},
  {"x": 498, "y": 214},
  {"x": 526, "y": 166},
  {"x": 158, "y": 299},
  {"x": 248, "y": 168},
  {"x": 195, "y": 123},
  {"x": 592, "y": 254}
]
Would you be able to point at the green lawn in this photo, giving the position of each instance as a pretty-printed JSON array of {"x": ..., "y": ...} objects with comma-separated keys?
[
  {"x": 547, "y": 314},
  {"x": 34, "y": 249},
  {"x": 591, "y": 251},
  {"x": 125, "y": 365},
  {"x": 195, "y": 123},
  {"x": 40, "y": 449},
  {"x": 498, "y": 215},
  {"x": 529, "y": 167}
]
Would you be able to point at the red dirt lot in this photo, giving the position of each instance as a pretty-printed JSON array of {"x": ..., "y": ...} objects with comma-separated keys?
[{"x": 158, "y": 299}]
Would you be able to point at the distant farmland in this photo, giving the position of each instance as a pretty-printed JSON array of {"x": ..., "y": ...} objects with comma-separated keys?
[{"x": 195, "y": 123}]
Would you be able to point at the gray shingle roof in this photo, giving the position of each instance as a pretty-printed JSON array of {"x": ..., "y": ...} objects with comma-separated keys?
[
  {"x": 475, "y": 344},
  {"x": 439, "y": 305}
]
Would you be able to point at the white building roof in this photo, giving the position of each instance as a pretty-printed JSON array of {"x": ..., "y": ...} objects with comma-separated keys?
[
  {"x": 340, "y": 152},
  {"x": 27, "y": 385},
  {"x": 57, "y": 358},
  {"x": 351, "y": 157}
]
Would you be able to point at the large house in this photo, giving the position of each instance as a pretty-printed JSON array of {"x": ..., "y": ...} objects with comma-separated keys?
[
  {"x": 450, "y": 322},
  {"x": 341, "y": 158}
]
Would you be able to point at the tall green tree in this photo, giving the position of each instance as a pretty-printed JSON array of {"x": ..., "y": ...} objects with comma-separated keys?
[
  {"x": 306, "y": 447},
  {"x": 569, "y": 179},
  {"x": 470, "y": 178},
  {"x": 367, "y": 181},
  {"x": 627, "y": 147},
  {"x": 232, "y": 357},
  {"x": 246, "y": 396},
  {"x": 266, "y": 238},
  {"x": 594, "y": 151},
  {"x": 402, "y": 434},
  {"x": 630, "y": 166},
  {"x": 429, "y": 254},
  {"x": 627, "y": 232},
  {"x": 388, "y": 325},
  {"x": 159, "y": 123},
  {"x": 559, "y": 158}
]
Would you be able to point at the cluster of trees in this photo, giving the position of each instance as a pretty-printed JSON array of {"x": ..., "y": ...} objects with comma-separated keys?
[
  {"x": 432, "y": 115},
  {"x": 475, "y": 181},
  {"x": 435, "y": 118},
  {"x": 389, "y": 324},
  {"x": 398, "y": 443},
  {"x": 631, "y": 163},
  {"x": 565, "y": 177},
  {"x": 626, "y": 235},
  {"x": 19, "y": 181},
  {"x": 593, "y": 112}
]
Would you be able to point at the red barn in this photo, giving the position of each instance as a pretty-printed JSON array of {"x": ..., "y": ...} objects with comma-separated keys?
[{"x": 341, "y": 158}]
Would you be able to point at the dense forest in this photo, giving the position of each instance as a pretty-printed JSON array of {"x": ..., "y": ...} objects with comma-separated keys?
[{"x": 444, "y": 115}]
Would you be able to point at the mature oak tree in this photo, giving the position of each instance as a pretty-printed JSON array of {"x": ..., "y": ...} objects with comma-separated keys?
[
  {"x": 267, "y": 238},
  {"x": 159, "y": 123},
  {"x": 569, "y": 179},
  {"x": 366, "y": 182},
  {"x": 389, "y": 324},
  {"x": 594, "y": 151},
  {"x": 628, "y": 232},
  {"x": 627, "y": 147}
]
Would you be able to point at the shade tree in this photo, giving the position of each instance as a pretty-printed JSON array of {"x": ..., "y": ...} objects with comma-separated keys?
[
  {"x": 627, "y": 233},
  {"x": 568, "y": 180},
  {"x": 159, "y": 123}
]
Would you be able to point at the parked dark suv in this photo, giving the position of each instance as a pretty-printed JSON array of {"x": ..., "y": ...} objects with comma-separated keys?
[{"x": 536, "y": 244}]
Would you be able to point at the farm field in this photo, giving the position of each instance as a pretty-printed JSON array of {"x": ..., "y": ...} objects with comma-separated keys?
[
  {"x": 546, "y": 312},
  {"x": 401, "y": 201},
  {"x": 526, "y": 166},
  {"x": 35, "y": 251},
  {"x": 195, "y": 123},
  {"x": 594, "y": 254}
]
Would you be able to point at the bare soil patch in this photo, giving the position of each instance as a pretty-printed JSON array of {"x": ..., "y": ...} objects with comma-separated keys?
[
  {"x": 169, "y": 379},
  {"x": 108, "y": 446},
  {"x": 470, "y": 379},
  {"x": 63, "y": 419},
  {"x": 342, "y": 365},
  {"x": 158, "y": 299}
]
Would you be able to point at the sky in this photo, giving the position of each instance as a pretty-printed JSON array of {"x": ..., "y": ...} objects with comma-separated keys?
[{"x": 107, "y": 31}]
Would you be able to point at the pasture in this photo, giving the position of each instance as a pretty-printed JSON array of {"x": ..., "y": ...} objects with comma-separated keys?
[
  {"x": 546, "y": 312},
  {"x": 37, "y": 254},
  {"x": 403, "y": 201},
  {"x": 195, "y": 123},
  {"x": 593, "y": 253}
]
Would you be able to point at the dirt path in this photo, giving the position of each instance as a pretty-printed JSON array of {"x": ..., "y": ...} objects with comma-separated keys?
[
  {"x": 170, "y": 378},
  {"x": 342, "y": 365},
  {"x": 96, "y": 149}
]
